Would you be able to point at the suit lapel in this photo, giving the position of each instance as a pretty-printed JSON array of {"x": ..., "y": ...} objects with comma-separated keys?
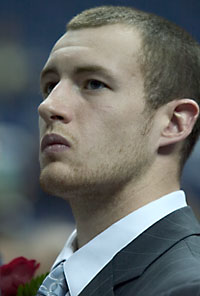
[{"x": 102, "y": 284}]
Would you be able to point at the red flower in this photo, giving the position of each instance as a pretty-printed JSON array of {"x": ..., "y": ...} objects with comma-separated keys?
[{"x": 19, "y": 271}]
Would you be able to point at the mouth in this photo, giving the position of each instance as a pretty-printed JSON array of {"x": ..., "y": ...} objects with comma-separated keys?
[{"x": 54, "y": 143}]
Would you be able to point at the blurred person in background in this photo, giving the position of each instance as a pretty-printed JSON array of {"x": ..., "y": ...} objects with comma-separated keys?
[
  {"x": 20, "y": 226},
  {"x": 119, "y": 119}
]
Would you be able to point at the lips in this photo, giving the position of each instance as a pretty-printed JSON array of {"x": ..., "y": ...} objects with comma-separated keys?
[{"x": 52, "y": 140}]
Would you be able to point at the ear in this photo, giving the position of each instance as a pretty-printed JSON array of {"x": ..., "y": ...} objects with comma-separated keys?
[{"x": 182, "y": 115}]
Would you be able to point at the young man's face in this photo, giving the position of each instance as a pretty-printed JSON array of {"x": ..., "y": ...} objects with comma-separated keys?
[{"x": 93, "y": 98}]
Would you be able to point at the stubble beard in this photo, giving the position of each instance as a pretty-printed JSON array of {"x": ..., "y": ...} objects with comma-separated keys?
[{"x": 104, "y": 178}]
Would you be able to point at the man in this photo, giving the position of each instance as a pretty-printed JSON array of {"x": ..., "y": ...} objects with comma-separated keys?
[{"x": 118, "y": 121}]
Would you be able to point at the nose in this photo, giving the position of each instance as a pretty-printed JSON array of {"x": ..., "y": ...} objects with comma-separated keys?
[{"x": 51, "y": 111}]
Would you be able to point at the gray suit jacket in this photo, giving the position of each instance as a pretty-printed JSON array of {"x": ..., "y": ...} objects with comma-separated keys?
[{"x": 163, "y": 261}]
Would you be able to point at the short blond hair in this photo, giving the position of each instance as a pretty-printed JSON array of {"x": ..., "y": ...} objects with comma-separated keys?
[{"x": 170, "y": 58}]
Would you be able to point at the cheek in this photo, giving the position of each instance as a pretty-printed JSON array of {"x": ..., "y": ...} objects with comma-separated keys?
[
  {"x": 41, "y": 126},
  {"x": 95, "y": 135}
]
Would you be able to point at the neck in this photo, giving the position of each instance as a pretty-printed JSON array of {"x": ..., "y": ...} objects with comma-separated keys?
[{"x": 95, "y": 213}]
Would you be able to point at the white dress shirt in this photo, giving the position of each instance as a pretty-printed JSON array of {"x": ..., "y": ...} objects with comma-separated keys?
[{"x": 82, "y": 265}]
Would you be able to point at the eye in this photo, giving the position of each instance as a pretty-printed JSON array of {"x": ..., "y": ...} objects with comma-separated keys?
[
  {"x": 48, "y": 88},
  {"x": 94, "y": 84}
]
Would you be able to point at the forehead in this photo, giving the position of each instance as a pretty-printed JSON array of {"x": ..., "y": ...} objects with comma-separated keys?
[
  {"x": 114, "y": 45},
  {"x": 115, "y": 34}
]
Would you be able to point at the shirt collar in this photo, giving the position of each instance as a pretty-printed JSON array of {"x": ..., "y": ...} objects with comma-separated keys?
[{"x": 100, "y": 250}]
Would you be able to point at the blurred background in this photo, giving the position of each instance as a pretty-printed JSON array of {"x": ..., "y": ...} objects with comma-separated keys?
[{"x": 33, "y": 224}]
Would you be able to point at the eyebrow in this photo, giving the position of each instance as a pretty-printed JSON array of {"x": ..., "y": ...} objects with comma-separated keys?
[
  {"x": 92, "y": 69},
  {"x": 87, "y": 68},
  {"x": 47, "y": 71}
]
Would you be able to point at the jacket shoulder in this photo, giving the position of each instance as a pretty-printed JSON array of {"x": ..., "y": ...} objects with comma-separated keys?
[{"x": 174, "y": 273}]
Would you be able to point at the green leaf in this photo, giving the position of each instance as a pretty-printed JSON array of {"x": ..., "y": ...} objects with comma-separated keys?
[{"x": 31, "y": 288}]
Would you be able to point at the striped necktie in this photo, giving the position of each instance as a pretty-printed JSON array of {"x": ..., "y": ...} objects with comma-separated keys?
[{"x": 54, "y": 284}]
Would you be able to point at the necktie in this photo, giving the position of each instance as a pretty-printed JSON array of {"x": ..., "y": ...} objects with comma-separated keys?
[{"x": 54, "y": 284}]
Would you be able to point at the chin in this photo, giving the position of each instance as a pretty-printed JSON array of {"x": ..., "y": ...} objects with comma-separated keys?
[
  {"x": 53, "y": 178},
  {"x": 60, "y": 180}
]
